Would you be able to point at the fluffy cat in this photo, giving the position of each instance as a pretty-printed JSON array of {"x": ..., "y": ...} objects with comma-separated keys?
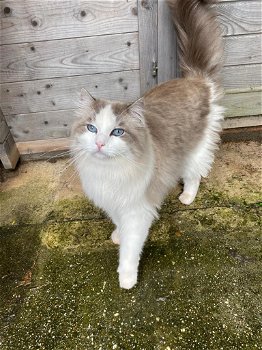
[{"x": 129, "y": 155}]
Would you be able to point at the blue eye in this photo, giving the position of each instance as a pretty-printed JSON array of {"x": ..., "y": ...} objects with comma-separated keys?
[
  {"x": 91, "y": 128},
  {"x": 117, "y": 132}
]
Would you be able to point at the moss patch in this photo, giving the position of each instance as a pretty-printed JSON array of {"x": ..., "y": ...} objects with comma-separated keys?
[
  {"x": 199, "y": 278},
  {"x": 209, "y": 302}
]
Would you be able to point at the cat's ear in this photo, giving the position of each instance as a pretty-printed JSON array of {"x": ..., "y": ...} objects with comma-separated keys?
[
  {"x": 136, "y": 110},
  {"x": 86, "y": 97}
]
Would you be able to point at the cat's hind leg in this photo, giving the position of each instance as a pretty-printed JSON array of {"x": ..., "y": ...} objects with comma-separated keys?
[
  {"x": 200, "y": 159},
  {"x": 189, "y": 193}
]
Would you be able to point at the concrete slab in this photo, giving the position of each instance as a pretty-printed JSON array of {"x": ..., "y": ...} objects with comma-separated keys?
[{"x": 200, "y": 275}]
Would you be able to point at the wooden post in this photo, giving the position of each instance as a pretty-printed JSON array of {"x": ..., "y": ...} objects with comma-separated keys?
[
  {"x": 147, "y": 22},
  {"x": 167, "y": 44},
  {"x": 9, "y": 154}
]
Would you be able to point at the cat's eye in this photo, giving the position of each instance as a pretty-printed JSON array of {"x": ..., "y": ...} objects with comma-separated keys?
[
  {"x": 91, "y": 128},
  {"x": 117, "y": 132}
]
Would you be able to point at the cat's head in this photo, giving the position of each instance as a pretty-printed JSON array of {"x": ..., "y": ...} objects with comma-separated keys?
[{"x": 108, "y": 130}]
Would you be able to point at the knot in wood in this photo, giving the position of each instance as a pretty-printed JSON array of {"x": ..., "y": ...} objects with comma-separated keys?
[
  {"x": 146, "y": 4},
  {"x": 7, "y": 11}
]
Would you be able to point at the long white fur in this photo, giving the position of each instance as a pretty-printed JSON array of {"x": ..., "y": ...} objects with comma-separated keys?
[
  {"x": 199, "y": 162},
  {"x": 119, "y": 185}
]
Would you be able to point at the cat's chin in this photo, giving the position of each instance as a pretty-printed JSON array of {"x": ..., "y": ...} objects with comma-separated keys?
[{"x": 100, "y": 155}]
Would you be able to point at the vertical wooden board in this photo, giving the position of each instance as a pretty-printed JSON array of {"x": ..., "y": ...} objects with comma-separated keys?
[
  {"x": 34, "y": 20},
  {"x": 167, "y": 44},
  {"x": 147, "y": 23},
  {"x": 4, "y": 129},
  {"x": 9, "y": 154}
]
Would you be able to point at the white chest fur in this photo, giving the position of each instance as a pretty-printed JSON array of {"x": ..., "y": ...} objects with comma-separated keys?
[{"x": 113, "y": 185}]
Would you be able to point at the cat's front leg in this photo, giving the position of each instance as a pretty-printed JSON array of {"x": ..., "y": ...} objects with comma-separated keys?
[{"x": 133, "y": 233}]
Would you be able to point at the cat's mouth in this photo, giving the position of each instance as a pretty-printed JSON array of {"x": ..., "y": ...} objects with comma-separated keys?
[{"x": 99, "y": 154}]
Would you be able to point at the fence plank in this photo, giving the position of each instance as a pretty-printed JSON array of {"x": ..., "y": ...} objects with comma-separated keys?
[
  {"x": 42, "y": 125},
  {"x": 242, "y": 122},
  {"x": 243, "y": 49},
  {"x": 69, "y": 57},
  {"x": 34, "y": 20},
  {"x": 242, "y": 103},
  {"x": 243, "y": 17},
  {"x": 9, "y": 154},
  {"x": 33, "y": 149},
  {"x": 167, "y": 45},
  {"x": 147, "y": 19},
  {"x": 63, "y": 93},
  {"x": 4, "y": 129},
  {"x": 242, "y": 76}
]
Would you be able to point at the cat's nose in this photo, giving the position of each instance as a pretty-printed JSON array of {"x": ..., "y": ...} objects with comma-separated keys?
[{"x": 99, "y": 144}]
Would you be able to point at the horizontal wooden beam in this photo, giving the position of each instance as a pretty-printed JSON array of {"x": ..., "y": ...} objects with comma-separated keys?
[
  {"x": 242, "y": 49},
  {"x": 69, "y": 57},
  {"x": 43, "y": 149},
  {"x": 242, "y": 122},
  {"x": 34, "y": 20},
  {"x": 243, "y": 76},
  {"x": 240, "y": 17},
  {"x": 242, "y": 103},
  {"x": 63, "y": 93}
]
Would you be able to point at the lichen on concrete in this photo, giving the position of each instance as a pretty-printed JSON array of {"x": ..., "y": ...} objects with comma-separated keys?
[{"x": 199, "y": 278}]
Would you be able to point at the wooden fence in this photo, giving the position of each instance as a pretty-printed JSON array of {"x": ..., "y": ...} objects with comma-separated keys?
[{"x": 116, "y": 50}]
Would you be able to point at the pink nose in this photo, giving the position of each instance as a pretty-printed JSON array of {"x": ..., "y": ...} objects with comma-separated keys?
[{"x": 99, "y": 144}]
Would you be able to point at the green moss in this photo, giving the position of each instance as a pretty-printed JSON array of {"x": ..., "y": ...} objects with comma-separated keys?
[
  {"x": 29, "y": 203},
  {"x": 199, "y": 278},
  {"x": 77, "y": 234},
  {"x": 180, "y": 302},
  {"x": 77, "y": 208}
]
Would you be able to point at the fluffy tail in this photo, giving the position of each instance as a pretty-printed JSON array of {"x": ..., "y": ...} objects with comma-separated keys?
[{"x": 199, "y": 37}]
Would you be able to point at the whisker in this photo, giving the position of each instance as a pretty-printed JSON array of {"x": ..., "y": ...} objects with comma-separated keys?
[
  {"x": 53, "y": 150},
  {"x": 72, "y": 161},
  {"x": 60, "y": 155},
  {"x": 132, "y": 161}
]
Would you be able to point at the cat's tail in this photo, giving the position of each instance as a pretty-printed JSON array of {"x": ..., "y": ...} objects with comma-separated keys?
[{"x": 199, "y": 37}]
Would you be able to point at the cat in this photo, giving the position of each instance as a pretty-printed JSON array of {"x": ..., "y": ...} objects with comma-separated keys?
[{"x": 129, "y": 156}]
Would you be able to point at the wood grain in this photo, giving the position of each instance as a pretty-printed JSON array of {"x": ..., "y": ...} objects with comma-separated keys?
[
  {"x": 243, "y": 49},
  {"x": 243, "y": 76},
  {"x": 69, "y": 57},
  {"x": 33, "y": 149},
  {"x": 4, "y": 129},
  {"x": 167, "y": 45},
  {"x": 57, "y": 124},
  {"x": 242, "y": 122},
  {"x": 9, "y": 154},
  {"x": 34, "y": 20},
  {"x": 42, "y": 125},
  {"x": 242, "y": 17},
  {"x": 242, "y": 103},
  {"x": 63, "y": 93},
  {"x": 147, "y": 19}
]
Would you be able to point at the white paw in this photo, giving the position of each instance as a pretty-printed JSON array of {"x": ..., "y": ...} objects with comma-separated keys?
[
  {"x": 115, "y": 237},
  {"x": 127, "y": 280},
  {"x": 186, "y": 198}
]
